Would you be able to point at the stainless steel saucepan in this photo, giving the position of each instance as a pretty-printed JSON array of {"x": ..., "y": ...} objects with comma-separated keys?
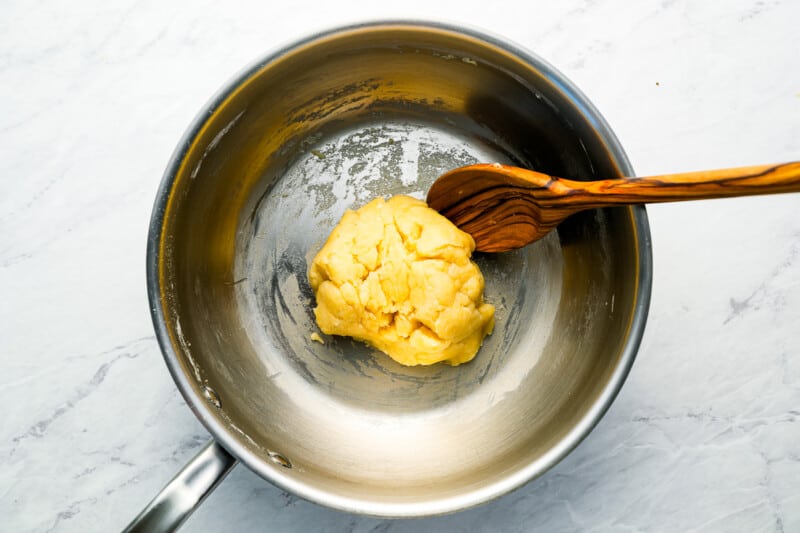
[{"x": 254, "y": 188}]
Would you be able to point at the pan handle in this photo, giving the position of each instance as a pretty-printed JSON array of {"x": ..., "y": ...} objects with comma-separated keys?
[{"x": 181, "y": 496}]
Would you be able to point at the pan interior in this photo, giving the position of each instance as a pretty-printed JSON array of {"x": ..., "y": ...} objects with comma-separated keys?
[{"x": 327, "y": 126}]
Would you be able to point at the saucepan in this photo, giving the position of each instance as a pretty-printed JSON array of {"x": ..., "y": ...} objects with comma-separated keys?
[{"x": 253, "y": 189}]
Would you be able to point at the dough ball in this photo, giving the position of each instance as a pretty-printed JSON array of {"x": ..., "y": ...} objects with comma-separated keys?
[{"x": 398, "y": 275}]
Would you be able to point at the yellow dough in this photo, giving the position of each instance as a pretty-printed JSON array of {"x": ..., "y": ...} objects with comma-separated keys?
[{"x": 398, "y": 275}]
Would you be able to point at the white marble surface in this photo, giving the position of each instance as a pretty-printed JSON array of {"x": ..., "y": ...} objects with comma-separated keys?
[{"x": 94, "y": 95}]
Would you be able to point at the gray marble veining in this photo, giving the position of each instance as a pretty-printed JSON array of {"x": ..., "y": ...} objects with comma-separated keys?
[{"x": 705, "y": 435}]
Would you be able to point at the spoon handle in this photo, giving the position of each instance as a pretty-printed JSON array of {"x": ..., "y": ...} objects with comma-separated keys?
[{"x": 723, "y": 183}]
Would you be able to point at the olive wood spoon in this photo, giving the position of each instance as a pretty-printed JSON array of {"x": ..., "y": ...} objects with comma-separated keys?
[{"x": 505, "y": 207}]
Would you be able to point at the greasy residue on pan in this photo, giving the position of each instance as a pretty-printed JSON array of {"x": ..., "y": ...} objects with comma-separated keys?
[{"x": 347, "y": 168}]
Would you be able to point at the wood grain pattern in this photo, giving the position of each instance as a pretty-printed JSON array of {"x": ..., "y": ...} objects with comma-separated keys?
[{"x": 505, "y": 207}]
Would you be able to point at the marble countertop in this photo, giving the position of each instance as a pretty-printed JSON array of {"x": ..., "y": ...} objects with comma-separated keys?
[{"x": 705, "y": 435}]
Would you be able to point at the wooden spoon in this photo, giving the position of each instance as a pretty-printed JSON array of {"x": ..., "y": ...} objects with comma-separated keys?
[{"x": 505, "y": 207}]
